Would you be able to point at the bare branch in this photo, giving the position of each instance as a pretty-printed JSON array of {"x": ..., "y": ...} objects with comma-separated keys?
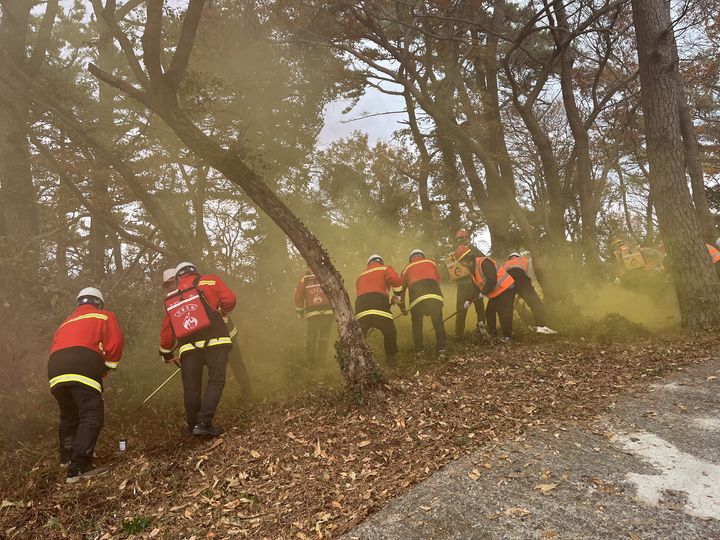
[
  {"x": 43, "y": 39},
  {"x": 190, "y": 24}
]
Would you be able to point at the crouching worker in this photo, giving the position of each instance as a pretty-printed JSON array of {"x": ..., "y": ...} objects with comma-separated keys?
[
  {"x": 518, "y": 266},
  {"x": 421, "y": 278},
  {"x": 194, "y": 326},
  {"x": 86, "y": 346},
  {"x": 372, "y": 305},
  {"x": 497, "y": 286}
]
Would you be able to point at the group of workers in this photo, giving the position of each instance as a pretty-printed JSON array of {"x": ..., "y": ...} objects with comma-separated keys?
[
  {"x": 417, "y": 289},
  {"x": 197, "y": 332}
]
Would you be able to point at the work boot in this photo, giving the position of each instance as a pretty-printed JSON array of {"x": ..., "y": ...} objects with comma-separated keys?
[
  {"x": 442, "y": 355},
  {"x": 207, "y": 430},
  {"x": 504, "y": 340},
  {"x": 544, "y": 330},
  {"x": 75, "y": 475}
]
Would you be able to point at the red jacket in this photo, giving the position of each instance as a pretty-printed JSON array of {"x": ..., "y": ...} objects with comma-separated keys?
[
  {"x": 310, "y": 299},
  {"x": 372, "y": 290},
  {"x": 92, "y": 328},
  {"x": 378, "y": 278},
  {"x": 422, "y": 279},
  {"x": 87, "y": 344},
  {"x": 220, "y": 299}
]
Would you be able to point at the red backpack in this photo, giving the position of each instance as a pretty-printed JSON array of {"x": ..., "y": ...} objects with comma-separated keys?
[{"x": 188, "y": 311}]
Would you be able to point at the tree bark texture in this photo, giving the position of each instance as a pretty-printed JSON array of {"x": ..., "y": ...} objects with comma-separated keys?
[{"x": 697, "y": 286}]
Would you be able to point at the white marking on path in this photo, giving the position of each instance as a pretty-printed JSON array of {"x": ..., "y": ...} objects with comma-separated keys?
[
  {"x": 679, "y": 471},
  {"x": 710, "y": 423}
]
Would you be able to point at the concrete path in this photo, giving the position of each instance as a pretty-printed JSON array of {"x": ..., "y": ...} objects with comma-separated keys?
[{"x": 649, "y": 469}]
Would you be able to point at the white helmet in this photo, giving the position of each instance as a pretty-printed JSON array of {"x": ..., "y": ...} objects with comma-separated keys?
[
  {"x": 417, "y": 252},
  {"x": 375, "y": 257},
  {"x": 169, "y": 275},
  {"x": 86, "y": 295},
  {"x": 514, "y": 255},
  {"x": 184, "y": 268}
]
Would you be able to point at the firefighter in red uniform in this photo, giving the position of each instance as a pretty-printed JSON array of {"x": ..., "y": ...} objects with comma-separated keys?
[
  {"x": 421, "y": 279},
  {"x": 208, "y": 346},
  {"x": 312, "y": 303},
  {"x": 86, "y": 346},
  {"x": 372, "y": 305},
  {"x": 518, "y": 266},
  {"x": 466, "y": 288},
  {"x": 496, "y": 284}
]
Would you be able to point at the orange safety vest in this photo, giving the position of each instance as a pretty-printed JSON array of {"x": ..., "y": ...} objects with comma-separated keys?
[
  {"x": 517, "y": 262},
  {"x": 504, "y": 280},
  {"x": 714, "y": 253}
]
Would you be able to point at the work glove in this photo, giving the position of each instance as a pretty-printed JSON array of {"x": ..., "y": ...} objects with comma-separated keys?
[
  {"x": 395, "y": 299},
  {"x": 167, "y": 357},
  {"x": 300, "y": 314},
  {"x": 466, "y": 305}
]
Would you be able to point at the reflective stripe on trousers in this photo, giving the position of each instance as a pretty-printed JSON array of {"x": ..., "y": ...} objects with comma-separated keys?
[
  {"x": 205, "y": 343},
  {"x": 379, "y": 312},
  {"x": 74, "y": 377},
  {"x": 425, "y": 297}
]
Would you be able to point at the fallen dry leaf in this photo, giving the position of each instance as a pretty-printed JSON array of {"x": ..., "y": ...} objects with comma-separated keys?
[
  {"x": 544, "y": 488},
  {"x": 517, "y": 511}
]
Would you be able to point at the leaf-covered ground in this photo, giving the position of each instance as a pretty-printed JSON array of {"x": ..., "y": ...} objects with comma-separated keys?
[{"x": 317, "y": 466}]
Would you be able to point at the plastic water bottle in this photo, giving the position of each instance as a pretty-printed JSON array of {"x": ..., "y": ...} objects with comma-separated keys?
[{"x": 122, "y": 445}]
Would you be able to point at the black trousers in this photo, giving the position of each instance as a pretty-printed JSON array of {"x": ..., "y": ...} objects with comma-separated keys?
[
  {"x": 433, "y": 309},
  {"x": 200, "y": 407},
  {"x": 502, "y": 307},
  {"x": 318, "y": 333},
  {"x": 526, "y": 291},
  {"x": 387, "y": 326},
  {"x": 82, "y": 412},
  {"x": 465, "y": 291}
]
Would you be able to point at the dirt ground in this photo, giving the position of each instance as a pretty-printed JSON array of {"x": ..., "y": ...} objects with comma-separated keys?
[{"x": 320, "y": 465}]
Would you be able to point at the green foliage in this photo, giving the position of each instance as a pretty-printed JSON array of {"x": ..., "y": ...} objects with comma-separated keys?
[{"x": 135, "y": 525}]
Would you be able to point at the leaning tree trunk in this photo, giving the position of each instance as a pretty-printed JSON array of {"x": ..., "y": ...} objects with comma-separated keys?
[
  {"x": 160, "y": 94},
  {"x": 696, "y": 284},
  {"x": 354, "y": 355}
]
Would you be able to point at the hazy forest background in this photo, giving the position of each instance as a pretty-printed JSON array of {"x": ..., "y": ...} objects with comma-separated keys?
[{"x": 135, "y": 135}]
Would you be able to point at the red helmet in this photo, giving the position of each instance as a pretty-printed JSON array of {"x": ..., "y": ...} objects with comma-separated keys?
[{"x": 462, "y": 233}]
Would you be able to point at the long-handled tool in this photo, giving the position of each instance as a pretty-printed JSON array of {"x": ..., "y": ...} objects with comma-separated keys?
[
  {"x": 395, "y": 317},
  {"x": 156, "y": 390}
]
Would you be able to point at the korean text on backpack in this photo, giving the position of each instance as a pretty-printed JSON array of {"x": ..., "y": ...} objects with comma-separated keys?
[{"x": 187, "y": 311}]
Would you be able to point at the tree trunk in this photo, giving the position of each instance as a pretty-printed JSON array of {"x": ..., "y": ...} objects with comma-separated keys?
[
  {"x": 583, "y": 163},
  {"x": 20, "y": 216},
  {"x": 696, "y": 284},
  {"x": 694, "y": 169}
]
